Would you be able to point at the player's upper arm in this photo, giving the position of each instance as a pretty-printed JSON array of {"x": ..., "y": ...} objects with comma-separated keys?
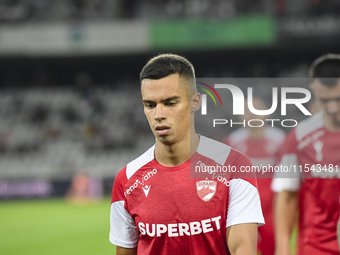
[
  {"x": 126, "y": 251},
  {"x": 289, "y": 176},
  {"x": 242, "y": 239}
]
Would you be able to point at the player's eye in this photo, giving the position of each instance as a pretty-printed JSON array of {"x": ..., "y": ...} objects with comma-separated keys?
[
  {"x": 170, "y": 103},
  {"x": 148, "y": 105}
]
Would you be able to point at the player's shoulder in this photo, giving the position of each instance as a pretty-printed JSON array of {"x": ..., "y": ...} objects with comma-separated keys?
[
  {"x": 309, "y": 125},
  {"x": 275, "y": 134},
  {"x": 218, "y": 151},
  {"x": 237, "y": 136},
  {"x": 133, "y": 166},
  {"x": 213, "y": 150}
]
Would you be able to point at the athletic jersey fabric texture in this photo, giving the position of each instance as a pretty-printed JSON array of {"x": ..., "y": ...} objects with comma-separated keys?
[
  {"x": 262, "y": 152},
  {"x": 165, "y": 211},
  {"x": 311, "y": 146}
]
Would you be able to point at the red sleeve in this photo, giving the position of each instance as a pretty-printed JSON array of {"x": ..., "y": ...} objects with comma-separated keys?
[
  {"x": 290, "y": 145},
  {"x": 118, "y": 186}
]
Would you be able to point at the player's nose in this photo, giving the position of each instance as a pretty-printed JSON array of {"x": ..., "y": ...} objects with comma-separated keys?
[
  {"x": 332, "y": 107},
  {"x": 159, "y": 112}
]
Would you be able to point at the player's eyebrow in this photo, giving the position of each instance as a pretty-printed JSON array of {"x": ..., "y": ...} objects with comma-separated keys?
[
  {"x": 163, "y": 100},
  {"x": 329, "y": 99}
]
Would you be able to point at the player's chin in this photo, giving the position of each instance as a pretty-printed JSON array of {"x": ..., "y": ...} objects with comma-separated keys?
[
  {"x": 336, "y": 117},
  {"x": 165, "y": 139},
  {"x": 336, "y": 122}
]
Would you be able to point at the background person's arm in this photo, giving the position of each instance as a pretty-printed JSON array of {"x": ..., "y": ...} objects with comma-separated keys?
[
  {"x": 126, "y": 251},
  {"x": 242, "y": 239},
  {"x": 285, "y": 215}
]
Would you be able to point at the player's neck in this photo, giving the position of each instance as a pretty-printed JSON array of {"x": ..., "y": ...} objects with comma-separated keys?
[
  {"x": 256, "y": 133},
  {"x": 178, "y": 153}
]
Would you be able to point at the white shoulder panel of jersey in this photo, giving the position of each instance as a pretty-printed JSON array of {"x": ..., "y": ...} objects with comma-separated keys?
[
  {"x": 214, "y": 150},
  {"x": 238, "y": 135},
  {"x": 142, "y": 160},
  {"x": 244, "y": 204},
  {"x": 309, "y": 125},
  {"x": 123, "y": 229},
  {"x": 275, "y": 134}
]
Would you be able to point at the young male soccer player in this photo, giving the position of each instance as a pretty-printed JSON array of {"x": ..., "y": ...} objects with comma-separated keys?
[
  {"x": 262, "y": 145},
  {"x": 156, "y": 207},
  {"x": 314, "y": 147}
]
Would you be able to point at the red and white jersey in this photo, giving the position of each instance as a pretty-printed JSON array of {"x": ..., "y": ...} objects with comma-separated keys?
[
  {"x": 167, "y": 212},
  {"x": 262, "y": 152},
  {"x": 314, "y": 151}
]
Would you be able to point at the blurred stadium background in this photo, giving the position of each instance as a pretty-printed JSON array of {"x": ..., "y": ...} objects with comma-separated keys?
[{"x": 70, "y": 111}]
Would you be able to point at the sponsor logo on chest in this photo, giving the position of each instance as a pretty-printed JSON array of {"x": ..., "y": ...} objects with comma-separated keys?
[
  {"x": 141, "y": 182},
  {"x": 180, "y": 229}
]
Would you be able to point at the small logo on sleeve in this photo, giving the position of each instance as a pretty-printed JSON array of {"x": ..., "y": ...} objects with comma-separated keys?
[
  {"x": 206, "y": 189},
  {"x": 147, "y": 175}
]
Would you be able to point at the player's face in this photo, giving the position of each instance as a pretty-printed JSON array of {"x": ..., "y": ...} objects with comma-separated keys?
[
  {"x": 167, "y": 108},
  {"x": 329, "y": 99}
]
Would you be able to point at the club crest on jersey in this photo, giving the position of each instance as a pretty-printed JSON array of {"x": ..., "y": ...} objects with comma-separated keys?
[{"x": 206, "y": 189}]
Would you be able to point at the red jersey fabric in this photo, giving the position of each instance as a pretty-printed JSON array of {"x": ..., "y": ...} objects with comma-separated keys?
[
  {"x": 315, "y": 152},
  {"x": 165, "y": 211},
  {"x": 264, "y": 151}
]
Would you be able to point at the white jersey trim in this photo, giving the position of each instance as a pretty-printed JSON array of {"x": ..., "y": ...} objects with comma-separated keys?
[
  {"x": 142, "y": 160},
  {"x": 280, "y": 183},
  {"x": 214, "y": 150},
  {"x": 289, "y": 184},
  {"x": 244, "y": 204},
  {"x": 309, "y": 125},
  {"x": 123, "y": 230}
]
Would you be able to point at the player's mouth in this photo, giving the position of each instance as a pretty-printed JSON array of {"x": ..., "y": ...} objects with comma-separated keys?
[
  {"x": 334, "y": 116},
  {"x": 162, "y": 130}
]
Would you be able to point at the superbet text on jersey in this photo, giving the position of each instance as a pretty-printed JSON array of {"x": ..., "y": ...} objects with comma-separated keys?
[
  {"x": 164, "y": 211},
  {"x": 315, "y": 153}
]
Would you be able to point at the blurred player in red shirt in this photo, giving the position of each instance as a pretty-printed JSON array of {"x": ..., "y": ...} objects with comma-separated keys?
[
  {"x": 262, "y": 146},
  {"x": 314, "y": 148}
]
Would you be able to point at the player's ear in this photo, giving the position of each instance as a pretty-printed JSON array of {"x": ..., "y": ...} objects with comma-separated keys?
[
  {"x": 312, "y": 84},
  {"x": 195, "y": 102}
]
